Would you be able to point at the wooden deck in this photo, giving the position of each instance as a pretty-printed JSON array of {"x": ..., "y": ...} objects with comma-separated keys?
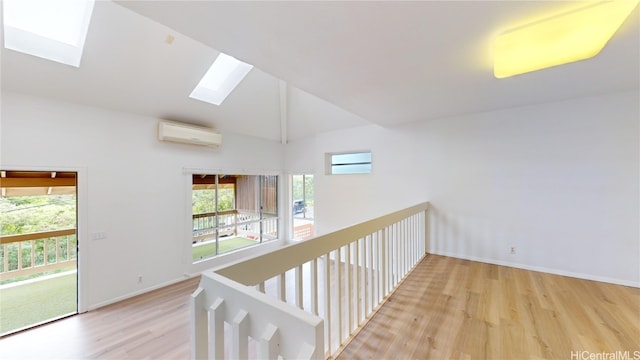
[{"x": 445, "y": 309}]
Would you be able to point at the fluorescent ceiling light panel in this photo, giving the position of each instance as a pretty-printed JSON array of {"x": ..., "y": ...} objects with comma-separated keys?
[
  {"x": 572, "y": 36},
  {"x": 223, "y": 76},
  {"x": 51, "y": 29}
]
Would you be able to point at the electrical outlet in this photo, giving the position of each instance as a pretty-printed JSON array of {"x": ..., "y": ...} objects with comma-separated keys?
[
  {"x": 512, "y": 249},
  {"x": 139, "y": 279}
]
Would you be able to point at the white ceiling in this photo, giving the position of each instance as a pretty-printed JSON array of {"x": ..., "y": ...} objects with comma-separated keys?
[{"x": 364, "y": 62}]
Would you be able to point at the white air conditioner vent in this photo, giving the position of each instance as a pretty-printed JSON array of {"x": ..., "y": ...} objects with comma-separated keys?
[{"x": 188, "y": 134}]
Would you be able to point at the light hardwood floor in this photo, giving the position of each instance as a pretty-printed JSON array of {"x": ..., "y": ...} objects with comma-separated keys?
[
  {"x": 445, "y": 309},
  {"x": 456, "y": 309},
  {"x": 150, "y": 326}
]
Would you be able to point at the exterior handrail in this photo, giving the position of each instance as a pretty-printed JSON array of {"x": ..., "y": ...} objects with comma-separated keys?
[
  {"x": 210, "y": 214},
  {"x": 5, "y": 239}
]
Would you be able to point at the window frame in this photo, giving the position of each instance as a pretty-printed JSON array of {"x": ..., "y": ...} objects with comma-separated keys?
[
  {"x": 330, "y": 165},
  {"x": 263, "y": 224}
]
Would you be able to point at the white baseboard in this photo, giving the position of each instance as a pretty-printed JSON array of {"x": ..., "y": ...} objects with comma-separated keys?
[
  {"x": 215, "y": 262},
  {"x": 141, "y": 291},
  {"x": 540, "y": 269}
]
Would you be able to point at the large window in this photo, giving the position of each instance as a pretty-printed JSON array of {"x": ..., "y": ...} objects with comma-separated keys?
[{"x": 230, "y": 212}]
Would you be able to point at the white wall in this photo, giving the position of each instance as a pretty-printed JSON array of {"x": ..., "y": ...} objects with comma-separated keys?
[
  {"x": 137, "y": 191},
  {"x": 395, "y": 182},
  {"x": 558, "y": 181}
]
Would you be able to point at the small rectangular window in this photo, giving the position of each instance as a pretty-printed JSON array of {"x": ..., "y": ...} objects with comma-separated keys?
[{"x": 349, "y": 163}]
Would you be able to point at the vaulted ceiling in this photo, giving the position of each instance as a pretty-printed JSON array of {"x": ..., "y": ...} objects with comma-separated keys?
[{"x": 337, "y": 64}]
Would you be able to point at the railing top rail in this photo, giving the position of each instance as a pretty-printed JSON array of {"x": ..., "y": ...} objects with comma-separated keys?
[
  {"x": 230, "y": 212},
  {"x": 263, "y": 267},
  {"x": 220, "y": 213},
  {"x": 5, "y": 239},
  {"x": 263, "y": 298}
]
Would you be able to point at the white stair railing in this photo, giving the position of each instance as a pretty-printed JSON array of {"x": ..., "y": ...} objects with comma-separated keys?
[
  {"x": 306, "y": 300},
  {"x": 278, "y": 329}
]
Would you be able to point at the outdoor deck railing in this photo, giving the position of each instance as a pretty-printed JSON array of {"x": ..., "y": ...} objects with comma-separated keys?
[
  {"x": 237, "y": 222},
  {"x": 325, "y": 289},
  {"x": 27, "y": 254}
]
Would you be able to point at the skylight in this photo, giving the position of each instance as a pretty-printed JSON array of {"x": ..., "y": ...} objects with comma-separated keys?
[
  {"x": 51, "y": 29},
  {"x": 223, "y": 76}
]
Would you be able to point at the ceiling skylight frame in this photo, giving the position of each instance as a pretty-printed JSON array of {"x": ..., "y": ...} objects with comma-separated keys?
[
  {"x": 44, "y": 29},
  {"x": 221, "y": 79}
]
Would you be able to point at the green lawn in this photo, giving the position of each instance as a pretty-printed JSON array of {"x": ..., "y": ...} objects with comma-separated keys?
[
  {"x": 207, "y": 250},
  {"x": 35, "y": 302}
]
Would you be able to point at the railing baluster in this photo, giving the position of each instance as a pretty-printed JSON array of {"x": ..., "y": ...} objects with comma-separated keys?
[
  {"x": 340, "y": 300},
  {"x": 33, "y": 253},
  {"x": 365, "y": 274},
  {"x": 388, "y": 258},
  {"x": 405, "y": 235},
  {"x": 403, "y": 248},
  {"x": 45, "y": 250},
  {"x": 298, "y": 286},
  {"x": 240, "y": 335},
  {"x": 416, "y": 238},
  {"x": 391, "y": 263},
  {"x": 269, "y": 343},
  {"x": 313, "y": 288},
  {"x": 57, "y": 240},
  {"x": 358, "y": 283},
  {"x": 5, "y": 249},
  {"x": 405, "y": 244},
  {"x": 393, "y": 259},
  {"x": 416, "y": 234},
  {"x": 327, "y": 303},
  {"x": 422, "y": 233},
  {"x": 349, "y": 287},
  {"x": 216, "y": 329},
  {"x": 19, "y": 256},
  {"x": 383, "y": 267},
  {"x": 379, "y": 266},
  {"x": 410, "y": 241},
  {"x": 398, "y": 259},
  {"x": 425, "y": 230},
  {"x": 405, "y": 261},
  {"x": 407, "y": 231},
  {"x": 398, "y": 255},
  {"x": 199, "y": 326},
  {"x": 282, "y": 287},
  {"x": 370, "y": 274}
]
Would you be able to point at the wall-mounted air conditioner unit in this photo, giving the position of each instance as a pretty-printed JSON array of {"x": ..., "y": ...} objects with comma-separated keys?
[{"x": 188, "y": 134}]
